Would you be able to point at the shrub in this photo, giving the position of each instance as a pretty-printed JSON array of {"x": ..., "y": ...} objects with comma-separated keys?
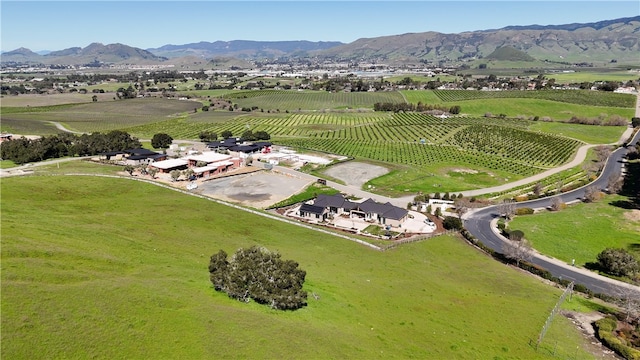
[
  {"x": 516, "y": 235},
  {"x": 524, "y": 211},
  {"x": 452, "y": 223},
  {"x": 618, "y": 262},
  {"x": 520, "y": 198},
  {"x": 604, "y": 332}
]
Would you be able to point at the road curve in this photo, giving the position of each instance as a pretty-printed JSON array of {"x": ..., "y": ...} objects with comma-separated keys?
[{"x": 479, "y": 224}]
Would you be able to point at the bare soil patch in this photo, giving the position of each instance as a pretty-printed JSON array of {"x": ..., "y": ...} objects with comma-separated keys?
[
  {"x": 355, "y": 173},
  {"x": 633, "y": 215},
  {"x": 258, "y": 190}
]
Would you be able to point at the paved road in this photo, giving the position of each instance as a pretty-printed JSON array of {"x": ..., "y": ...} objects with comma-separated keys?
[{"x": 478, "y": 223}]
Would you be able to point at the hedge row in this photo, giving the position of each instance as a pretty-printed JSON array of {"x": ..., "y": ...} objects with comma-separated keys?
[{"x": 604, "y": 330}]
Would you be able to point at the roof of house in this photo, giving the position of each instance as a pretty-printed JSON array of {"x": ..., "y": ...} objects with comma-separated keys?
[
  {"x": 245, "y": 148},
  {"x": 170, "y": 164},
  {"x": 208, "y": 157},
  {"x": 140, "y": 152},
  {"x": 312, "y": 209},
  {"x": 337, "y": 201},
  {"x": 369, "y": 206}
]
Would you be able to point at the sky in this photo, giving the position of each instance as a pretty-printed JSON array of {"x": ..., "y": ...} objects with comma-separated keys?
[{"x": 57, "y": 25}]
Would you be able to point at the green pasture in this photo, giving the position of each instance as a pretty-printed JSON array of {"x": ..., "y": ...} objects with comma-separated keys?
[
  {"x": 580, "y": 97},
  {"x": 106, "y": 116},
  {"x": 89, "y": 272},
  {"x": 581, "y": 231},
  {"x": 33, "y": 100},
  {"x": 282, "y": 100},
  {"x": 530, "y": 108},
  {"x": 24, "y": 125},
  {"x": 590, "y": 134},
  {"x": 580, "y": 76}
]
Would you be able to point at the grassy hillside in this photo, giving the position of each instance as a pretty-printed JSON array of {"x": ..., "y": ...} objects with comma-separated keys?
[{"x": 112, "y": 268}]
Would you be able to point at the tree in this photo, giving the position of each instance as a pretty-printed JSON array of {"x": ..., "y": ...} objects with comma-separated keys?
[
  {"x": 438, "y": 212},
  {"x": 517, "y": 250},
  {"x": 452, "y": 223},
  {"x": 618, "y": 262},
  {"x": 507, "y": 209},
  {"x": 556, "y": 204},
  {"x": 161, "y": 141},
  {"x": 208, "y": 136},
  {"x": 94, "y": 98},
  {"x": 462, "y": 206},
  {"x": 629, "y": 301},
  {"x": 129, "y": 169},
  {"x": 516, "y": 235},
  {"x": 226, "y": 134},
  {"x": 175, "y": 175},
  {"x": 592, "y": 193},
  {"x": 152, "y": 172},
  {"x": 537, "y": 189},
  {"x": 635, "y": 122},
  {"x": 258, "y": 274},
  {"x": 615, "y": 183}
]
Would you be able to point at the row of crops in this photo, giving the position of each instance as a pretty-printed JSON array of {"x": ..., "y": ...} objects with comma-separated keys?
[
  {"x": 580, "y": 97},
  {"x": 403, "y": 138},
  {"x": 311, "y": 100}
]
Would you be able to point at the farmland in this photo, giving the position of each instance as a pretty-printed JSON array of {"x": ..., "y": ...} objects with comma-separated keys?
[
  {"x": 73, "y": 286},
  {"x": 423, "y": 152}
]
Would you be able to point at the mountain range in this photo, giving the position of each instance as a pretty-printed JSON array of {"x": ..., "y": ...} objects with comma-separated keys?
[{"x": 616, "y": 40}]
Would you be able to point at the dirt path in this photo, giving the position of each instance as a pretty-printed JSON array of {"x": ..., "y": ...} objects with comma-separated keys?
[{"x": 62, "y": 128}]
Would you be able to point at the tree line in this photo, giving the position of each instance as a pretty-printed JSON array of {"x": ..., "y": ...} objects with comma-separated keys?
[
  {"x": 23, "y": 150},
  {"x": 419, "y": 107}
]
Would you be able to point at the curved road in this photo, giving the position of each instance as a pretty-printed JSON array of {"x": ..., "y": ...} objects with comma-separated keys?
[{"x": 479, "y": 223}]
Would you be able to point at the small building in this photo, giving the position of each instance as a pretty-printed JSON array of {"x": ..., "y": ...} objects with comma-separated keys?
[
  {"x": 166, "y": 166},
  {"x": 5, "y": 137}
]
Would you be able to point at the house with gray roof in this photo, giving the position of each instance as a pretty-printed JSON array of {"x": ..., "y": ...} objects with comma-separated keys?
[{"x": 367, "y": 210}]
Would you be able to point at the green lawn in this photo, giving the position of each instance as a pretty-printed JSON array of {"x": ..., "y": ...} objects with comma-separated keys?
[
  {"x": 581, "y": 231},
  {"x": 5, "y": 164},
  {"x": 112, "y": 268}
]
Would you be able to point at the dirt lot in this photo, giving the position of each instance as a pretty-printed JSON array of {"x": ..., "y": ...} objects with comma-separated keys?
[
  {"x": 356, "y": 173},
  {"x": 258, "y": 190}
]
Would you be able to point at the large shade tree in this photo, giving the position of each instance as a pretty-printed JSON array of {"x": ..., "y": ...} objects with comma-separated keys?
[{"x": 258, "y": 274}]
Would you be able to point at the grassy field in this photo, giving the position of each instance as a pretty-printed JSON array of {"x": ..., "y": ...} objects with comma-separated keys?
[
  {"x": 582, "y": 231},
  {"x": 593, "y": 76},
  {"x": 590, "y": 134},
  {"x": 106, "y": 116},
  {"x": 91, "y": 271}
]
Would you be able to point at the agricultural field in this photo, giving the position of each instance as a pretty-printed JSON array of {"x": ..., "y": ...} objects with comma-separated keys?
[
  {"x": 424, "y": 144},
  {"x": 589, "y": 134},
  {"x": 284, "y": 100},
  {"x": 79, "y": 279},
  {"x": 31, "y": 100},
  {"x": 593, "y": 76},
  {"x": 98, "y": 116},
  {"x": 555, "y": 104},
  {"x": 583, "y": 230}
]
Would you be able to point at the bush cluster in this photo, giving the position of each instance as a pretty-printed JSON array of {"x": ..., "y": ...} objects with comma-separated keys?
[
  {"x": 258, "y": 274},
  {"x": 618, "y": 262},
  {"x": 604, "y": 331},
  {"x": 524, "y": 211}
]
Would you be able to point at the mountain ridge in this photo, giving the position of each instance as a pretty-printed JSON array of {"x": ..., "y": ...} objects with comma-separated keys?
[{"x": 603, "y": 41}]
